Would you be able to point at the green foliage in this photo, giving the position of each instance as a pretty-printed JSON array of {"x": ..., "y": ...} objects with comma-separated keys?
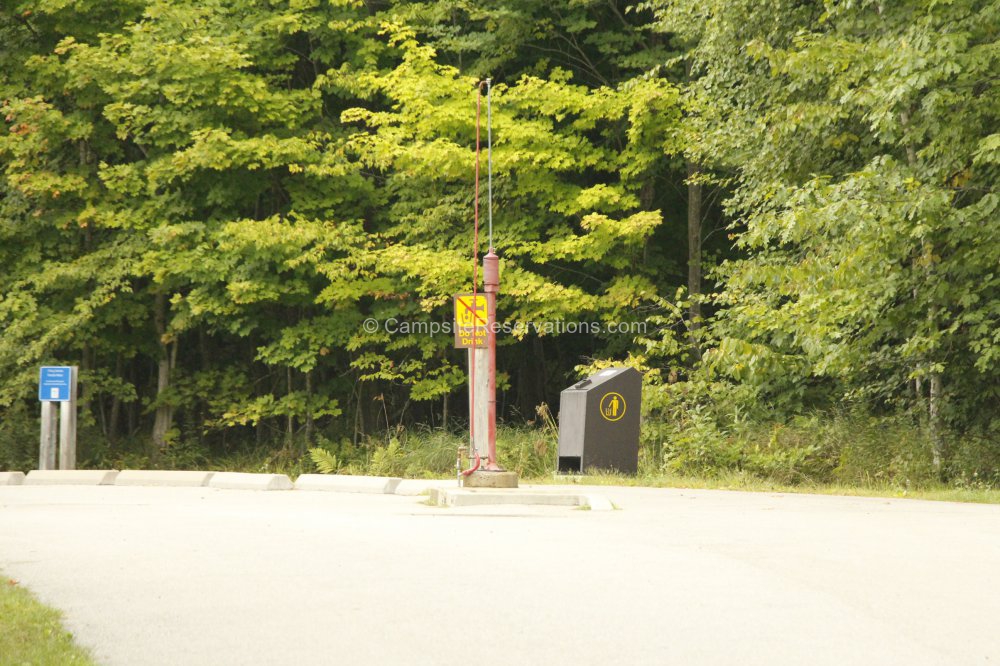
[
  {"x": 230, "y": 188},
  {"x": 19, "y": 439},
  {"x": 529, "y": 452},
  {"x": 422, "y": 453},
  {"x": 699, "y": 446},
  {"x": 202, "y": 202},
  {"x": 326, "y": 462},
  {"x": 388, "y": 460},
  {"x": 699, "y": 429},
  {"x": 857, "y": 139},
  {"x": 430, "y": 453}
]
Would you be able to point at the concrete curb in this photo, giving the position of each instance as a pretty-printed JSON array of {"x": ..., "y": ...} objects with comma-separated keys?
[
  {"x": 152, "y": 477},
  {"x": 345, "y": 483},
  {"x": 11, "y": 478},
  {"x": 479, "y": 497},
  {"x": 597, "y": 503},
  {"x": 244, "y": 481},
  {"x": 71, "y": 477},
  {"x": 418, "y": 487}
]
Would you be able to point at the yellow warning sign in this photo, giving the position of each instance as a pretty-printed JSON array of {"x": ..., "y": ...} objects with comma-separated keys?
[
  {"x": 471, "y": 315},
  {"x": 612, "y": 406}
]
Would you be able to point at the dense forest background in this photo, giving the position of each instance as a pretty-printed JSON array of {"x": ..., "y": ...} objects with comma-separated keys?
[{"x": 202, "y": 202}]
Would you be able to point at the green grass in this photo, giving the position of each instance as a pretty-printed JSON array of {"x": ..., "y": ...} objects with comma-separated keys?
[
  {"x": 750, "y": 483},
  {"x": 31, "y": 633}
]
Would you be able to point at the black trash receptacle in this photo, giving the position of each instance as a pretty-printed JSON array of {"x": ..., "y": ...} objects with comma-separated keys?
[{"x": 599, "y": 422}]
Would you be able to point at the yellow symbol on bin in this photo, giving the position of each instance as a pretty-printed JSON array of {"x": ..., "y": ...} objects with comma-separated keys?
[{"x": 612, "y": 406}]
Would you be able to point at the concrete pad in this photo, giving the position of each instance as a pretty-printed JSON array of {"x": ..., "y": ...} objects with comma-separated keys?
[
  {"x": 480, "y": 497},
  {"x": 194, "y": 576},
  {"x": 347, "y": 483},
  {"x": 71, "y": 477},
  {"x": 11, "y": 478},
  {"x": 490, "y": 479},
  {"x": 243, "y": 481},
  {"x": 173, "y": 478}
]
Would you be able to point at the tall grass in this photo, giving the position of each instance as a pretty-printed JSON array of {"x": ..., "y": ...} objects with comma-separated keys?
[
  {"x": 843, "y": 448},
  {"x": 691, "y": 444},
  {"x": 425, "y": 453}
]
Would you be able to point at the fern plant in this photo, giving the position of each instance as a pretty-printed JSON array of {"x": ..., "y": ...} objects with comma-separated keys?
[
  {"x": 388, "y": 460},
  {"x": 326, "y": 462}
]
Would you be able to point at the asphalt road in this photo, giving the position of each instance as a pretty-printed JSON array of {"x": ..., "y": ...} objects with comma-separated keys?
[{"x": 200, "y": 576}]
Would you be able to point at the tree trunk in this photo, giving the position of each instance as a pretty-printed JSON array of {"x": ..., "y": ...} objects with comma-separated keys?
[
  {"x": 402, "y": 413},
  {"x": 164, "y": 414},
  {"x": 918, "y": 384},
  {"x": 116, "y": 405},
  {"x": 694, "y": 253},
  {"x": 309, "y": 415},
  {"x": 133, "y": 416},
  {"x": 359, "y": 418},
  {"x": 84, "y": 399},
  {"x": 934, "y": 378},
  {"x": 538, "y": 361},
  {"x": 290, "y": 420},
  {"x": 934, "y": 422},
  {"x": 646, "y": 197}
]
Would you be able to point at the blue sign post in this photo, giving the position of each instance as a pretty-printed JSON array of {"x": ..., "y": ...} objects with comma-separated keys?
[
  {"x": 58, "y": 384},
  {"x": 55, "y": 383}
]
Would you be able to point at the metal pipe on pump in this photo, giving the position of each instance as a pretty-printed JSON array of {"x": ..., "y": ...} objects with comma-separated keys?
[
  {"x": 473, "y": 451},
  {"x": 491, "y": 286}
]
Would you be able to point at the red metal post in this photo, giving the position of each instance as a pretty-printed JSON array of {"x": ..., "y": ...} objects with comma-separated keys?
[{"x": 491, "y": 285}]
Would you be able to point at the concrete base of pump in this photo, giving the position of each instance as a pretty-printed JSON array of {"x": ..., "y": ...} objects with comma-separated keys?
[
  {"x": 488, "y": 479},
  {"x": 508, "y": 496}
]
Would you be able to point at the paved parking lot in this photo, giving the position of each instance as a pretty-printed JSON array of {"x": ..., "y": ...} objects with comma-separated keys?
[{"x": 204, "y": 576}]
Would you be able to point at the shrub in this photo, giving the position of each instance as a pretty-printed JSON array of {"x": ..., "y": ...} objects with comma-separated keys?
[{"x": 19, "y": 439}]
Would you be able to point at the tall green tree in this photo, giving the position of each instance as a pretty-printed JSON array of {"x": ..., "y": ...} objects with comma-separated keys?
[
  {"x": 862, "y": 140},
  {"x": 205, "y": 201}
]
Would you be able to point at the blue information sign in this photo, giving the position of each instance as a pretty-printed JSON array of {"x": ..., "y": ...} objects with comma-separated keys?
[{"x": 54, "y": 383}]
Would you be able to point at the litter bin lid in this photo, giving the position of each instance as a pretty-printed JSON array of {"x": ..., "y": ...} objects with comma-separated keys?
[{"x": 598, "y": 378}]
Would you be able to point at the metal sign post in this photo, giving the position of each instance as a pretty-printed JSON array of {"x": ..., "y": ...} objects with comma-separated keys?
[
  {"x": 47, "y": 451},
  {"x": 478, "y": 405},
  {"x": 58, "y": 384}
]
